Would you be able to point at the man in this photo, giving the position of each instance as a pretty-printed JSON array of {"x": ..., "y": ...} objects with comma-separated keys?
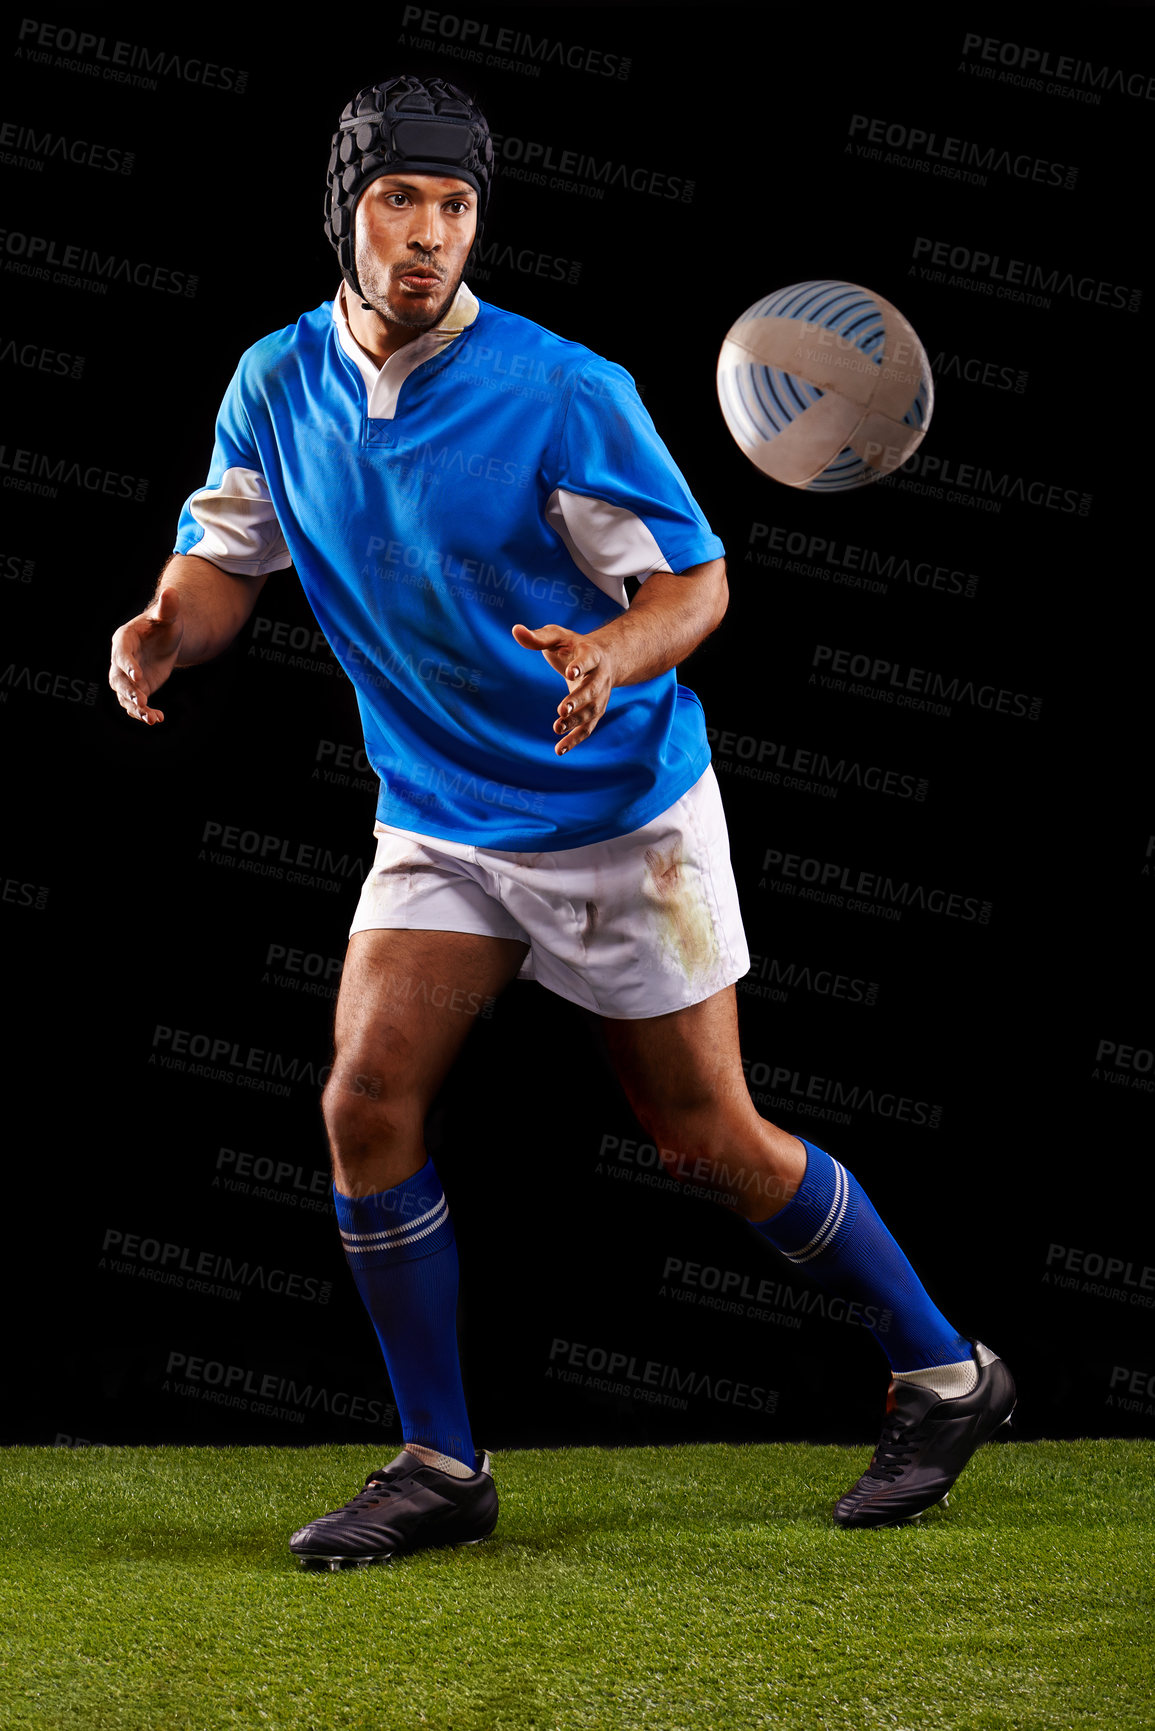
[{"x": 427, "y": 463}]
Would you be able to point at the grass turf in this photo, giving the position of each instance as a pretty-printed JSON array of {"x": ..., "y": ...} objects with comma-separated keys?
[{"x": 662, "y": 1588}]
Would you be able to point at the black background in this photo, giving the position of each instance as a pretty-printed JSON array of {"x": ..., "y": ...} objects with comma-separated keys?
[{"x": 117, "y": 924}]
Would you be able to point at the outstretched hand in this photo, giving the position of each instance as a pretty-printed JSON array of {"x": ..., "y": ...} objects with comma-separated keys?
[
  {"x": 144, "y": 653},
  {"x": 586, "y": 665}
]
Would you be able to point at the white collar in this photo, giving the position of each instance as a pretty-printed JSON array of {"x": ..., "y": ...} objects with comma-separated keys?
[{"x": 383, "y": 380}]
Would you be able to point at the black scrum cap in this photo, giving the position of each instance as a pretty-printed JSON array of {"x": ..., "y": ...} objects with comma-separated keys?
[{"x": 423, "y": 125}]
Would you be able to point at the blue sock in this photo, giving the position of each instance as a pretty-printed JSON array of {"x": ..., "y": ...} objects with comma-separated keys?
[
  {"x": 830, "y": 1230},
  {"x": 400, "y": 1247}
]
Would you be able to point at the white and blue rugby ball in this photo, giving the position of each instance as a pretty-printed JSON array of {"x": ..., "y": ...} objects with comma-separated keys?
[{"x": 824, "y": 385}]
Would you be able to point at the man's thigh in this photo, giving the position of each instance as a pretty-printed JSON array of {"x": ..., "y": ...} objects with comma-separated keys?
[
  {"x": 688, "y": 1060},
  {"x": 682, "y": 1074},
  {"x": 408, "y": 999}
]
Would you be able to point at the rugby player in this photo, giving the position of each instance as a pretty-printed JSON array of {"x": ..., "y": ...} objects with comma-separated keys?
[{"x": 440, "y": 473}]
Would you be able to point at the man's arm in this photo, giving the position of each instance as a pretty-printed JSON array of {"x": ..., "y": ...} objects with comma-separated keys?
[
  {"x": 196, "y": 612},
  {"x": 668, "y": 618}
]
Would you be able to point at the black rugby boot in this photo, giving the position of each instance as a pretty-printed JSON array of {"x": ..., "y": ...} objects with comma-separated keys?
[
  {"x": 926, "y": 1442},
  {"x": 406, "y": 1506}
]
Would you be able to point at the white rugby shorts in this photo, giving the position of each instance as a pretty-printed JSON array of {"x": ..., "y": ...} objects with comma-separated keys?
[{"x": 641, "y": 925}]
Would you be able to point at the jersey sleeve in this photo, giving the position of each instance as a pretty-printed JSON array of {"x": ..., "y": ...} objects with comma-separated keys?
[
  {"x": 231, "y": 519},
  {"x": 620, "y": 503}
]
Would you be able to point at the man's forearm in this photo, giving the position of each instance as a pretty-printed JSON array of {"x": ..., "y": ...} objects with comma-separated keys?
[
  {"x": 214, "y": 605},
  {"x": 667, "y": 619}
]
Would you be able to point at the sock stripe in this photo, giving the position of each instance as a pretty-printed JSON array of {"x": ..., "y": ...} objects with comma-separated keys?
[
  {"x": 395, "y": 1231},
  {"x": 852, "y": 1254},
  {"x": 400, "y": 1249},
  {"x": 396, "y": 1237},
  {"x": 829, "y": 1228}
]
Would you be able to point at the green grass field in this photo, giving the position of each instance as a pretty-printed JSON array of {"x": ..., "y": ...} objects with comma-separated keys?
[{"x": 695, "y": 1586}]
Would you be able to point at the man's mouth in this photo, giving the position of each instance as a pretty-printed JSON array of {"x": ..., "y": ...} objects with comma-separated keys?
[{"x": 420, "y": 279}]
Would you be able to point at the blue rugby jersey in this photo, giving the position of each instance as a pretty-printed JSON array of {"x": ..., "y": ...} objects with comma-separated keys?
[{"x": 489, "y": 473}]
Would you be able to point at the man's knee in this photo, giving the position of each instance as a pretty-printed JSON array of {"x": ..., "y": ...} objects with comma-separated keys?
[
  {"x": 363, "y": 1113},
  {"x": 685, "y": 1128}
]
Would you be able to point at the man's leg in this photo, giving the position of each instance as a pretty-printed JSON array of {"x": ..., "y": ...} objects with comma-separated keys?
[
  {"x": 407, "y": 1001},
  {"x": 683, "y": 1075}
]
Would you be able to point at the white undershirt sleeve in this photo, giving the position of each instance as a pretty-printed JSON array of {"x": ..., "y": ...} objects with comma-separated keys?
[
  {"x": 241, "y": 531},
  {"x": 605, "y": 542}
]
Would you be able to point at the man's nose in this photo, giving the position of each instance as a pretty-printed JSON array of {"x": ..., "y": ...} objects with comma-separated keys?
[{"x": 425, "y": 232}]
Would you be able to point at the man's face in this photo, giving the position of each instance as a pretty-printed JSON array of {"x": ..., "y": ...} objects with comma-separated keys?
[{"x": 413, "y": 236}]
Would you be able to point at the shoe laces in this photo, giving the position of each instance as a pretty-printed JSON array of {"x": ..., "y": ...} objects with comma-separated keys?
[
  {"x": 377, "y": 1488},
  {"x": 896, "y": 1445}
]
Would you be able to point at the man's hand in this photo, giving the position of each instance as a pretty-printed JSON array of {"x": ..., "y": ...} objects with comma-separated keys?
[
  {"x": 586, "y": 666},
  {"x": 144, "y": 653}
]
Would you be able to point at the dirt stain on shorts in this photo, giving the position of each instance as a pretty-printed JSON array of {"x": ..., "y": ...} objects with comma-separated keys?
[{"x": 686, "y": 928}]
